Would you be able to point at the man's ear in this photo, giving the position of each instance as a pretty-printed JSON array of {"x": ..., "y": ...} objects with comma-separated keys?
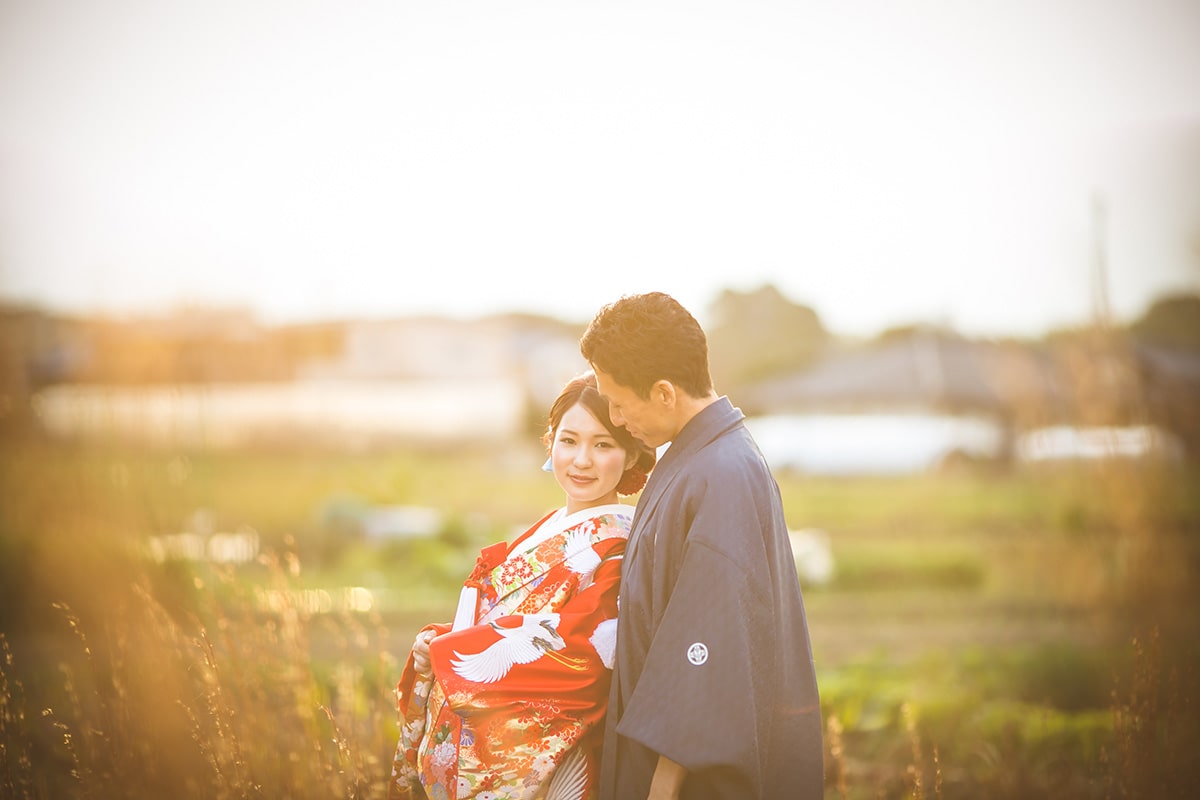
[{"x": 664, "y": 393}]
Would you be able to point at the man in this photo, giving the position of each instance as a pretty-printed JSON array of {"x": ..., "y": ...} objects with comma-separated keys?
[{"x": 714, "y": 694}]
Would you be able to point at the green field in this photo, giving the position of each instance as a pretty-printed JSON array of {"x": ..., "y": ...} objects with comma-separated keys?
[{"x": 987, "y": 634}]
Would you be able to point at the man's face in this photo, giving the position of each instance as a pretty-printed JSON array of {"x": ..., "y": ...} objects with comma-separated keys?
[{"x": 648, "y": 420}]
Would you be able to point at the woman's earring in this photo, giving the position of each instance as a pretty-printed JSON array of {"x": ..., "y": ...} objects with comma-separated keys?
[{"x": 548, "y": 466}]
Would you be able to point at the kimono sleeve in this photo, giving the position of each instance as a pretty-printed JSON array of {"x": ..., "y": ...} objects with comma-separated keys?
[
  {"x": 699, "y": 695},
  {"x": 573, "y": 665}
]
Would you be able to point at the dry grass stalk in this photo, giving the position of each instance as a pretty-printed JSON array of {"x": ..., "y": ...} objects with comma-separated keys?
[
  {"x": 916, "y": 767},
  {"x": 837, "y": 755}
]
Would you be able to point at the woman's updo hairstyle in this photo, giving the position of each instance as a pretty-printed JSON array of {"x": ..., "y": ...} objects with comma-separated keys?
[{"x": 582, "y": 389}]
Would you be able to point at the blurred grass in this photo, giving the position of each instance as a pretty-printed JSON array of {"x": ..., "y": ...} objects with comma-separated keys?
[{"x": 986, "y": 634}]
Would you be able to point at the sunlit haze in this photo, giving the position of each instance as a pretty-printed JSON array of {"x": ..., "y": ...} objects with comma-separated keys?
[{"x": 884, "y": 162}]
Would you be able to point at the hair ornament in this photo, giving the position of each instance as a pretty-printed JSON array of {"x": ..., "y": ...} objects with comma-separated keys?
[{"x": 632, "y": 481}]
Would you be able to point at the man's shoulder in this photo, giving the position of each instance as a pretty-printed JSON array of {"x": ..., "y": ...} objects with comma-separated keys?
[{"x": 733, "y": 452}]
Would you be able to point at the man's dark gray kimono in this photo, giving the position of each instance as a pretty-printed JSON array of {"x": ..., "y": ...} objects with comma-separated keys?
[{"x": 714, "y": 668}]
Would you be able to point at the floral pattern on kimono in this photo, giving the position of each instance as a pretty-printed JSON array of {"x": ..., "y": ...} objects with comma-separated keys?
[{"x": 526, "y": 686}]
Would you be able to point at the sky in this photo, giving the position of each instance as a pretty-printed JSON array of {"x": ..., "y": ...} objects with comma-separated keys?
[{"x": 975, "y": 164}]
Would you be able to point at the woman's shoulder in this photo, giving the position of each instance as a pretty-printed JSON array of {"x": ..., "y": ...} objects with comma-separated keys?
[{"x": 613, "y": 519}]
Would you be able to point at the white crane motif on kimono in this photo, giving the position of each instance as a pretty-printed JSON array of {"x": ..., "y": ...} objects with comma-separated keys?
[
  {"x": 536, "y": 636},
  {"x": 583, "y": 558},
  {"x": 604, "y": 641}
]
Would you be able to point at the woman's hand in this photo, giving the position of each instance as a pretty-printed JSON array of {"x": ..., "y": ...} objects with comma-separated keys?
[
  {"x": 420, "y": 651},
  {"x": 667, "y": 781}
]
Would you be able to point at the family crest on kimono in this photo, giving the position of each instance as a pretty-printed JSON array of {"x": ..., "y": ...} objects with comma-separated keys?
[{"x": 508, "y": 700}]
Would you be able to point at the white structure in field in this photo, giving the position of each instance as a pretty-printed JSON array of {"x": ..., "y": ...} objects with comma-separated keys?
[{"x": 413, "y": 379}]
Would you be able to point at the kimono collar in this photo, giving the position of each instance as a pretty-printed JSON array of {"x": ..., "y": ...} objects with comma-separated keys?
[
  {"x": 506, "y": 568},
  {"x": 559, "y": 521},
  {"x": 714, "y": 420}
]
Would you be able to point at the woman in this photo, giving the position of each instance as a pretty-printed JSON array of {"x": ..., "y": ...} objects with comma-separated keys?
[{"x": 508, "y": 701}]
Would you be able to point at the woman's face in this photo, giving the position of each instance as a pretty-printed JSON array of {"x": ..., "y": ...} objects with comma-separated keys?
[{"x": 588, "y": 462}]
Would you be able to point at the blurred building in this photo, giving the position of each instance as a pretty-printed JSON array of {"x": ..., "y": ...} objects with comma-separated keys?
[
  {"x": 929, "y": 398},
  {"x": 354, "y": 384}
]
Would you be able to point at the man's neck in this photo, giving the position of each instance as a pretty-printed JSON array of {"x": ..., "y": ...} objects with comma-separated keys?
[{"x": 688, "y": 407}]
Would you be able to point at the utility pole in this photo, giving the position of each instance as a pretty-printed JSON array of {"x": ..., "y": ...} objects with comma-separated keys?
[{"x": 1101, "y": 310}]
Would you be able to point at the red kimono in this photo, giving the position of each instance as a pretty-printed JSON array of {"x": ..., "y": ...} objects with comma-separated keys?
[{"x": 516, "y": 705}]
